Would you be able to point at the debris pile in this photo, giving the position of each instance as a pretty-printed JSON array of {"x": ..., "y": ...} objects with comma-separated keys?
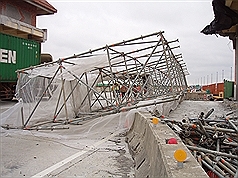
[{"x": 212, "y": 141}]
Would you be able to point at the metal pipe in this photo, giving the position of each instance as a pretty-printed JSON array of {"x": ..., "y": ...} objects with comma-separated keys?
[
  {"x": 89, "y": 99},
  {"x": 225, "y": 168},
  {"x": 22, "y": 116},
  {"x": 203, "y": 129},
  {"x": 32, "y": 112},
  {"x": 64, "y": 97},
  {"x": 230, "y": 143},
  {"x": 218, "y": 145},
  {"x": 148, "y": 104},
  {"x": 221, "y": 162},
  {"x": 233, "y": 125},
  {"x": 211, "y": 168},
  {"x": 71, "y": 88},
  {"x": 228, "y": 165},
  {"x": 76, "y": 121},
  {"x": 209, "y": 161},
  {"x": 48, "y": 128},
  {"x": 209, "y": 113},
  {"x": 116, "y": 44},
  {"x": 212, "y": 152},
  {"x": 57, "y": 113},
  {"x": 85, "y": 97},
  {"x": 57, "y": 104},
  {"x": 89, "y": 86},
  {"x": 214, "y": 128}
]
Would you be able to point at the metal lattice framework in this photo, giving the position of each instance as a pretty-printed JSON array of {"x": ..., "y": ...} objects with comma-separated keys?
[{"x": 145, "y": 67}]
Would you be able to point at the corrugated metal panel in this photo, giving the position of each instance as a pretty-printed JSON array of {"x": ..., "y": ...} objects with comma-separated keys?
[
  {"x": 211, "y": 88},
  {"x": 220, "y": 87},
  {"x": 16, "y": 53}
]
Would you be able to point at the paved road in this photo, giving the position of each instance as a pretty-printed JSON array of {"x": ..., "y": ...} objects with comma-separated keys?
[
  {"x": 96, "y": 148},
  {"x": 4, "y": 105}
]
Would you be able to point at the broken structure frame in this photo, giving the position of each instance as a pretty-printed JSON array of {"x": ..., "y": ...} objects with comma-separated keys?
[{"x": 147, "y": 72}]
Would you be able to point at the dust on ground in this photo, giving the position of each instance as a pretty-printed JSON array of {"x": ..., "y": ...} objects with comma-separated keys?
[{"x": 192, "y": 109}]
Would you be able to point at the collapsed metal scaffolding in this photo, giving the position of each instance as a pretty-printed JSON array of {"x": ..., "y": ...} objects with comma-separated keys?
[{"x": 124, "y": 73}]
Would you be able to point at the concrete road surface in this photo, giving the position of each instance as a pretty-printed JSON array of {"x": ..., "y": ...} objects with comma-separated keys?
[{"x": 96, "y": 148}]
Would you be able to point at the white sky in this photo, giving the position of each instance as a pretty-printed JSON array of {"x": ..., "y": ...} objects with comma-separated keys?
[{"x": 82, "y": 25}]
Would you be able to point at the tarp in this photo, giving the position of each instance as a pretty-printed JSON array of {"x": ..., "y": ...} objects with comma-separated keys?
[{"x": 66, "y": 91}]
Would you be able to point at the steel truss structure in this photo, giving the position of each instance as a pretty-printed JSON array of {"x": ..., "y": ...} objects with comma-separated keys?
[{"x": 145, "y": 67}]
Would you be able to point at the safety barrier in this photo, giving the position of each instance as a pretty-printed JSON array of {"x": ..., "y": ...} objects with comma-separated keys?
[
  {"x": 196, "y": 96},
  {"x": 153, "y": 156}
]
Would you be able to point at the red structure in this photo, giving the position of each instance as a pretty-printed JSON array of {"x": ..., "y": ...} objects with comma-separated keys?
[
  {"x": 18, "y": 18},
  {"x": 214, "y": 88},
  {"x": 18, "y": 30}
]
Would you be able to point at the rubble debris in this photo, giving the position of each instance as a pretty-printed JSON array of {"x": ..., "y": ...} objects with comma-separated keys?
[{"x": 212, "y": 141}]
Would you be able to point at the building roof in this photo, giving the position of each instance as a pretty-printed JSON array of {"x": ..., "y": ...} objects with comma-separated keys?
[
  {"x": 233, "y": 4},
  {"x": 226, "y": 18},
  {"x": 43, "y": 7}
]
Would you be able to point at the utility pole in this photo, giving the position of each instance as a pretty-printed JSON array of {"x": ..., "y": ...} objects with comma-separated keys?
[
  {"x": 236, "y": 65},
  {"x": 222, "y": 77}
]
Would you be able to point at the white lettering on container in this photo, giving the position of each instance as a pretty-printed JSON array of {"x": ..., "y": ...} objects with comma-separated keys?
[{"x": 8, "y": 56}]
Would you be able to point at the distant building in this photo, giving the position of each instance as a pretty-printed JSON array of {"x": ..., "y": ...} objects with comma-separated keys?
[
  {"x": 20, "y": 39},
  {"x": 18, "y": 18}
]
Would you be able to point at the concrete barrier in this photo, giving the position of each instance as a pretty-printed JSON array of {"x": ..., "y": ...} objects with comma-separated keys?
[
  {"x": 197, "y": 96},
  {"x": 152, "y": 156}
]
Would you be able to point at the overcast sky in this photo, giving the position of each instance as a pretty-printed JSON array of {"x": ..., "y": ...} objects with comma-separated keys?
[{"x": 82, "y": 25}]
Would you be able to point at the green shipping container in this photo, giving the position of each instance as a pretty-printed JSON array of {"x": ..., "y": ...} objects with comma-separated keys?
[
  {"x": 16, "y": 53},
  {"x": 228, "y": 89}
]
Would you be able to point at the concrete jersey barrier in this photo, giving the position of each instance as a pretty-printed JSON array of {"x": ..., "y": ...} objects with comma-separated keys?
[{"x": 152, "y": 156}]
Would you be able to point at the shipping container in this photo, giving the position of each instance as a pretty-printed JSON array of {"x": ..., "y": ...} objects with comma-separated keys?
[
  {"x": 16, "y": 53},
  {"x": 228, "y": 89},
  {"x": 209, "y": 88},
  {"x": 220, "y": 87}
]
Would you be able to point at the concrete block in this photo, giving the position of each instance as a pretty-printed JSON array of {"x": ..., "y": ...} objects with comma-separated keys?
[{"x": 153, "y": 157}]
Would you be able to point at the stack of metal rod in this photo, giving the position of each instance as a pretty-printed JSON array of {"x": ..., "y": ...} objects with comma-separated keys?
[{"x": 213, "y": 141}]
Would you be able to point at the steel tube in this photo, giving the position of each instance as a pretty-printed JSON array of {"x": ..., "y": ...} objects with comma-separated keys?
[
  {"x": 209, "y": 113},
  {"x": 211, "y": 168},
  {"x": 143, "y": 105},
  {"x": 233, "y": 125},
  {"x": 225, "y": 168},
  {"x": 212, "y": 152},
  {"x": 32, "y": 112},
  {"x": 209, "y": 161},
  {"x": 228, "y": 165},
  {"x": 215, "y": 128}
]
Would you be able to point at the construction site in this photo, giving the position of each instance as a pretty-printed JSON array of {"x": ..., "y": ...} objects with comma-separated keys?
[
  {"x": 120, "y": 110},
  {"x": 81, "y": 107}
]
